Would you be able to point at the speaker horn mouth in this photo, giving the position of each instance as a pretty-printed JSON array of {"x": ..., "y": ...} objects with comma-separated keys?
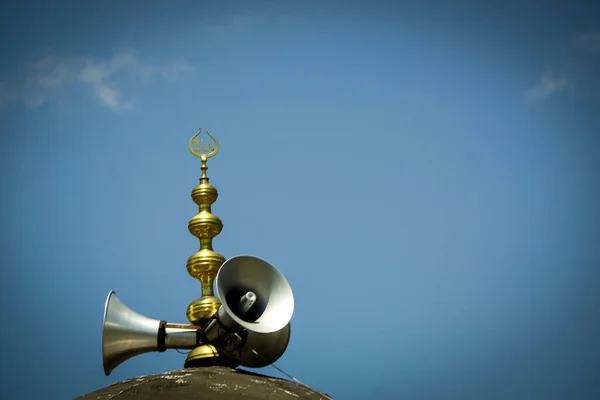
[
  {"x": 243, "y": 278},
  {"x": 107, "y": 369},
  {"x": 125, "y": 334}
]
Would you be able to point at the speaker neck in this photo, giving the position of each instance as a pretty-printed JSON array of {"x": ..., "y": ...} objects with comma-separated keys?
[
  {"x": 220, "y": 326},
  {"x": 177, "y": 336}
]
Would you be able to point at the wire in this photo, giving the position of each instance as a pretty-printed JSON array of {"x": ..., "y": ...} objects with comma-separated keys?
[{"x": 272, "y": 364}]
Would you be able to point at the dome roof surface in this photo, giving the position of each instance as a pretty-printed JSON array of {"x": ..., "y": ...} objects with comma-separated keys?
[{"x": 214, "y": 383}]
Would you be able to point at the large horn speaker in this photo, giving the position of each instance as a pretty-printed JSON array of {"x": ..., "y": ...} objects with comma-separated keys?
[
  {"x": 126, "y": 334},
  {"x": 254, "y": 296}
]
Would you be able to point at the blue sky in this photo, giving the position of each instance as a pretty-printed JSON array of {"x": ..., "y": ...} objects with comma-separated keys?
[{"x": 425, "y": 175}]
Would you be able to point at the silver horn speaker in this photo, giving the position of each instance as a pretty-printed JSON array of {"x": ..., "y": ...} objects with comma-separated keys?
[
  {"x": 126, "y": 334},
  {"x": 262, "y": 349},
  {"x": 254, "y": 296}
]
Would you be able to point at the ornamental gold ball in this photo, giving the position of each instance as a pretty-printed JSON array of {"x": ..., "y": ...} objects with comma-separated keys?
[
  {"x": 204, "y": 263},
  {"x": 205, "y": 225},
  {"x": 202, "y": 309},
  {"x": 204, "y": 193}
]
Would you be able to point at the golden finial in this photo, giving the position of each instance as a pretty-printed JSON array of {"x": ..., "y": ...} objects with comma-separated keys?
[
  {"x": 205, "y": 263},
  {"x": 197, "y": 147}
]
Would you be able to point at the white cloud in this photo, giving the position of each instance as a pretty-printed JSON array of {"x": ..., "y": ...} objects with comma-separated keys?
[
  {"x": 47, "y": 78},
  {"x": 110, "y": 98},
  {"x": 574, "y": 71},
  {"x": 546, "y": 85}
]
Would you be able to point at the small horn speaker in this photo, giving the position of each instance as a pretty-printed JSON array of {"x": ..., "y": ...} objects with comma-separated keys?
[
  {"x": 273, "y": 305},
  {"x": 126, "y": 334},
  {"x": 254, "y": 296}
]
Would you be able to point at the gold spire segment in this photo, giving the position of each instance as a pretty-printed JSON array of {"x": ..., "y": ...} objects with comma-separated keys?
[{"x": 204, "y": 264}]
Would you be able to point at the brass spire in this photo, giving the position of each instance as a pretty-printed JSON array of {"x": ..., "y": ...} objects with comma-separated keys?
[{"x": 205, "y": 263}]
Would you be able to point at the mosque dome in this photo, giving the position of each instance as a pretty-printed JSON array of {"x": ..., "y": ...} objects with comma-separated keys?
[{"x": 212, "y": 383}]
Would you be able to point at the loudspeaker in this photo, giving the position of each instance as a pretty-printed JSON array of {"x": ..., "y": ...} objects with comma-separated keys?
[
  {"x": 262, "y": 349},
  {"x": 126, "y": 334},
  {"x": 254, "y": 296}
]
